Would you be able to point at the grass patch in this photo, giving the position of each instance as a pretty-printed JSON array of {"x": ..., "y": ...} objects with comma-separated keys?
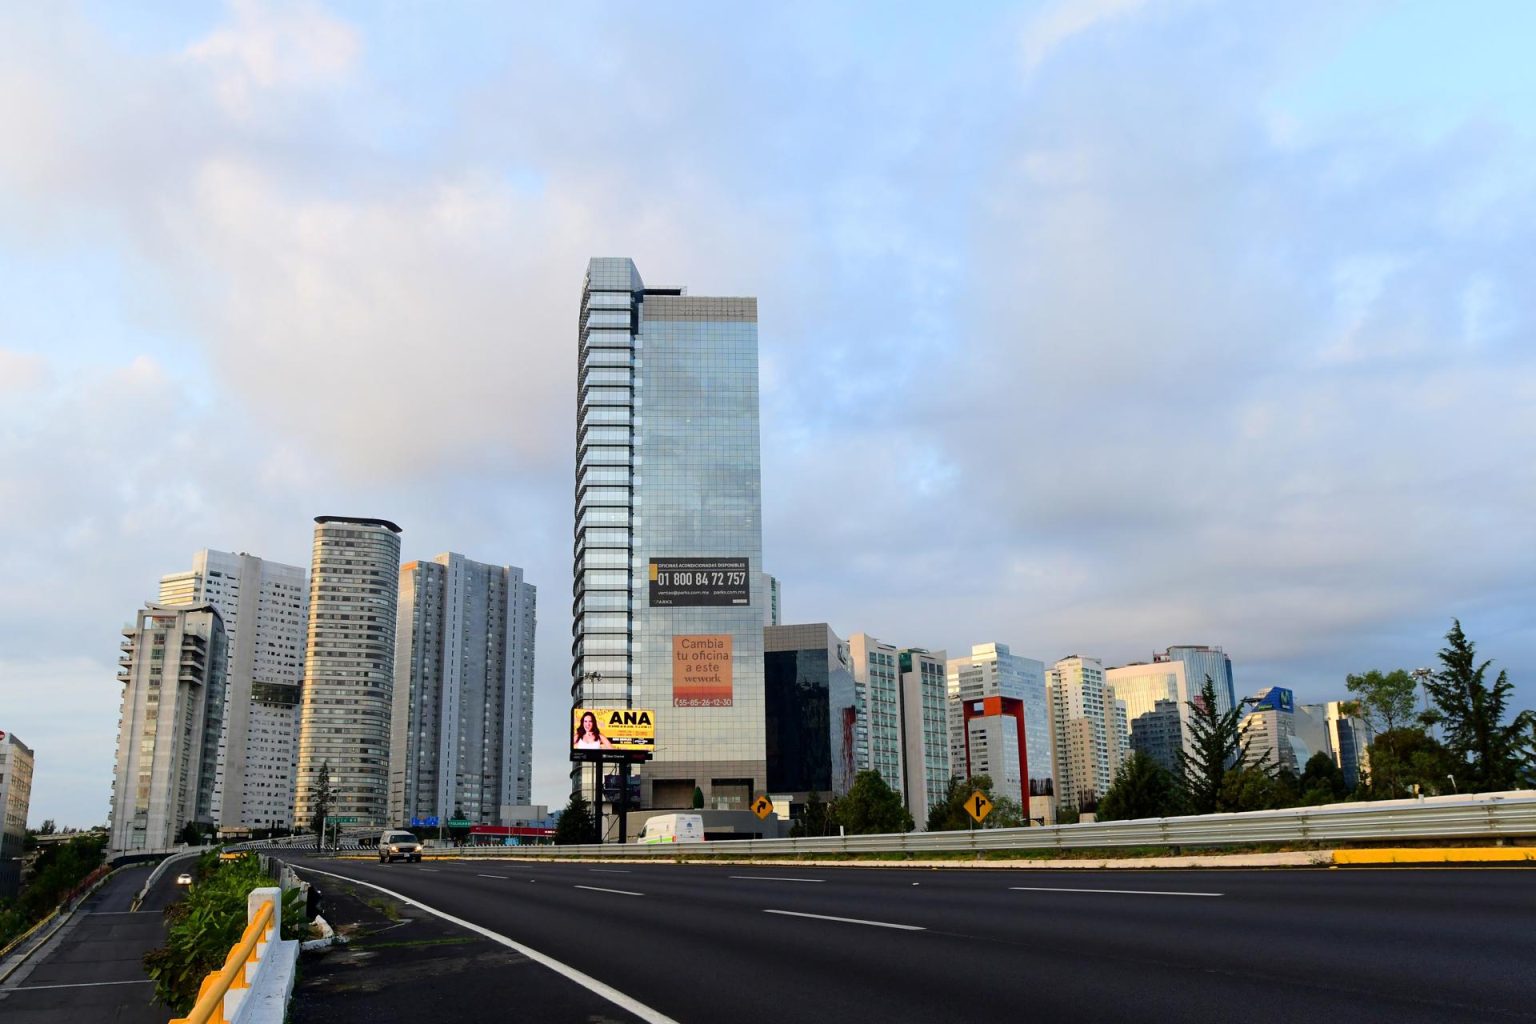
[
  {"x": 416, "y": 944},
  {"x": 389, "y": 908}
]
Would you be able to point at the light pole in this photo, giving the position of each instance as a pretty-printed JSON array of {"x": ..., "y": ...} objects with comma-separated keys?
[{"x": 1421, "y": 676}]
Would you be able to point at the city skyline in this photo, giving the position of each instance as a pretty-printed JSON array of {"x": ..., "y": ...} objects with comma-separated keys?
[{"x": 1227, "y": 350}]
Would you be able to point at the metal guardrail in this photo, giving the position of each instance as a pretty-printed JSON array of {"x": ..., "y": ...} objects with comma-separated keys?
[{"x": 1481, "y": 817}]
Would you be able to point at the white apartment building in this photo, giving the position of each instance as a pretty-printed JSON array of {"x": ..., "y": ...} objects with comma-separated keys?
[
  {"x": 264, "y": 606},
  {"x": 877, "y": 696},
  {"x": 349, "y": 670},
  {"x": 1089, "y": 731},
  {"x": 461, "y": 742},
  {"x": 925, "y": 766},
  {"x": 16, "y": 764},
  {"x": 172, "y": 669},
  {"x": 992, "y": 670}
]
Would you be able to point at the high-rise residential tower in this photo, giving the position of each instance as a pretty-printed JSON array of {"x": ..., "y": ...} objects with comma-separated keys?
[
  {"x": 263, "y": 605},
  {"x": 925, "y": 767},
  {"x": 877, "y": 694},
  {"x": 992, "y": 670},
  {"x": 349, "y": 670},
  {"x": 462, "y": 730},
  {"x": 1089, "y": 730},
  {"x": 667, "y": 601},
  {"x": 172, "y": 669},
  {"x": 16, "y": 761}
]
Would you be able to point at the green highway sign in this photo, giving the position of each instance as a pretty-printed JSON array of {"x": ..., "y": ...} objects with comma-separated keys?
[
  {"x": 342, "y": 821},
  {"x": 459, "y": 823}
]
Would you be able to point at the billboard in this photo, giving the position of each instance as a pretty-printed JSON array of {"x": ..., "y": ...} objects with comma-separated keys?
[
  {"x": 701, "y": 671},
  {"x": 622, "y": 730},
  {"x": 696, "y": 582}
]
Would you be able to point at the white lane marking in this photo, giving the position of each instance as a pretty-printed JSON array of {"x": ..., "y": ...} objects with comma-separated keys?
[
  {"x": 619, "y": 892},
  {"x": 1118, "y": 892},
  {"x": 849, "y": 920},
  {"x": 434, "y": 871},
  {"x": 775, "y": 878},
  {"x": 609, "y": 871},
  {"x": 493, "y": 876},
  {"x": 581, "y": 978},
  {"x": 82, "y": 984}
]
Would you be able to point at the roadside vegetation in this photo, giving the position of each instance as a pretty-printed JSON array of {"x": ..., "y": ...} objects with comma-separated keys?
[{"x": 57, "y": 873}]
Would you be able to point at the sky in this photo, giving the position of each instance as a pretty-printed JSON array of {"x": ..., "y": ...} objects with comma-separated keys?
[{"x": 1086, "y": 326}]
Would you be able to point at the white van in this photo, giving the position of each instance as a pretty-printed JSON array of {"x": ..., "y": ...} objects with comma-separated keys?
[{"x": 673, "y": 828}]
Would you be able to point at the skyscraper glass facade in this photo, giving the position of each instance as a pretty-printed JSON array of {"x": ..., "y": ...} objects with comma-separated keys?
[{"x": 668, "y": 488}]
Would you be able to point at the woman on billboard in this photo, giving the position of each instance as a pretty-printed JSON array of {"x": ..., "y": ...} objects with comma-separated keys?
[{"x": 588, "y": 737}]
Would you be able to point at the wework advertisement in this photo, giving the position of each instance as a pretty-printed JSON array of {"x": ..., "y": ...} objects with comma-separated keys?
[{"x": 701, "y": 671}]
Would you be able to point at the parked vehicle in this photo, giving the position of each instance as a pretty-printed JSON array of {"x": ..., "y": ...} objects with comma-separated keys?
[
  {"x": 395, "y": 845},
  {"x": 673, "y": 828}
]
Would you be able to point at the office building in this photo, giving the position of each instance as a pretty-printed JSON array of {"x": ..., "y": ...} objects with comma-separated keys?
[
  {"x": 16, "y": 763},
  {"x": 1159, "y": 733},
  {"x": 808, "y": 693},
  {"x": 349, "y": 671},
  {"x": 1348, "y": 739},
  {"x": 992, "y": 670},
  {"x": 1200, "y": 662},
  {"x": 877, "y": 693},
  {"x": 461, "y": 742},
  {"x": 172, "y": 668},
  {"x": 923, "y": 690},
  {"x": 1277, "y": 732},
  {"x": 994, "y": 746},
  {"x": 264, "y": 606},
  {"x": 668, "y": 598},
  {"x": 770, "y": 589},
  {"x": 1088, "y": 731}
]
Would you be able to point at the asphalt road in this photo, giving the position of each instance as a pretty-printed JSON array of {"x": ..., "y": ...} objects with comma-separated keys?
[
  {"x": 92, "y": 969},
  {"x": 705, "y": 943}
]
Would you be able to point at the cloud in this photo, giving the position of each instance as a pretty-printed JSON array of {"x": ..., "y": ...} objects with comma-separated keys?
[
  {"x": 275, "y": 47},
  {"x": 1064, "y": 19}
]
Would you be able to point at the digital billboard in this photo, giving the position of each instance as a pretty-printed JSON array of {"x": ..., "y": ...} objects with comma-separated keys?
[
  {"x": 621, "y": 730},
  {"x": 701, "y": 671},
  {"x": 699, "y": 582}
]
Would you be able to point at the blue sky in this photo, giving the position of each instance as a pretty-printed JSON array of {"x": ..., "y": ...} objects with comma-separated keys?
[{"x": 1089, "y": 327}]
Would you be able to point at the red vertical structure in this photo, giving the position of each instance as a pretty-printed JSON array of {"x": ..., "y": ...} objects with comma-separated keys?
[{"x": 1000, "y": 707}]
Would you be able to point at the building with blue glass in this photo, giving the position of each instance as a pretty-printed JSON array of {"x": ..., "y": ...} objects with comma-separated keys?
[{"x": 668, "y": 583}]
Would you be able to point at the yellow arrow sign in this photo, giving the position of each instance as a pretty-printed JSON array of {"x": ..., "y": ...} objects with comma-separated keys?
[
  {"x": 978, "y": 806},
  {"x": 762, "y": 807}
]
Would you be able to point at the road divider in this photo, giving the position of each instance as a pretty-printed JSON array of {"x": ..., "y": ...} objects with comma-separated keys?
[{"x": 1439, "y": 855}]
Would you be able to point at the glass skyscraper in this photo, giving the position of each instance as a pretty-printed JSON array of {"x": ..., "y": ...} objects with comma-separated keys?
[{"x": 667, "y": 600}]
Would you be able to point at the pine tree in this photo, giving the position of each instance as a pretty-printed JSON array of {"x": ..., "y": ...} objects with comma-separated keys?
[
  {"x": 1493, "y": 756},
  {"x": 322, "y": 801},
  {"x": 1142, "y": 789},
  {"x": 1216, "y": 747},
  {"x": 576, "y": 824}
]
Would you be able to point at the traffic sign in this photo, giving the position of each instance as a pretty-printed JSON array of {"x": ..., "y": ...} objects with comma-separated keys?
[
  {"x": 978, "y": 806},
  {"x": 428, "y": 822},
  {"x": 762, "y": 807},
  {"x": 341, "y": 821},
  {"x": 459, "y": 823}
]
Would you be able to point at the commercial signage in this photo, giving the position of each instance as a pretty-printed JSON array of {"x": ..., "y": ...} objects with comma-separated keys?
[
  {"x": 616, "y": 729},
  {"x": 1278, "y": 698},
  {"x": 694, "y": 582},
  {"x": 701, "y": 671}
]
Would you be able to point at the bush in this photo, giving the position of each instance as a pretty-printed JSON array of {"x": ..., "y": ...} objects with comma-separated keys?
[
  {"x": 57, "y": 872},
  {"x": 203, "y": 928}
]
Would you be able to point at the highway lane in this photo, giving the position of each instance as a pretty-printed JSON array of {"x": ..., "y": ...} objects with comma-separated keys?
[{"x": 705, "y": 943}]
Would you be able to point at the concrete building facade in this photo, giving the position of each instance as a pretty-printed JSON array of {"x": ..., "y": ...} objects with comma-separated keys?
[
  {"x": 264, "y": 606},
  {"x": 993, "y": 670},
  {"x": 461, "y": 733},
  {"x": 349, "y": 671},
  {"x": 877, "y": 692},
  {"x": 172, "y": 668},
  {"x": 925, "y": 767},
  {"x": 1088, "y": 729},
  {"x": 17, "y": 762}
]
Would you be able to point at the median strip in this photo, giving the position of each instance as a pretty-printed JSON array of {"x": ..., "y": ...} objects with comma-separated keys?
[
  {"x": 1117, "y": 892},
  {"x": 616, "y": 892},
  {"x": 849, "y": 920}
]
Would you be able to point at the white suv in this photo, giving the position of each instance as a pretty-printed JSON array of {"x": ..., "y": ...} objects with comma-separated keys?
[{"x": 399, "y": 846}]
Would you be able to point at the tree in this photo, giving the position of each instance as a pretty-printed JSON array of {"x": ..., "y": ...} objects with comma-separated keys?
[
  {"x": 576, "y": 824},
  {"x": 1407, "y": 758},
  {"x": 1216, "y": 747},
  {"x": 47, "y": 828},
  {"x": 698, "y": 798},
  {"x": 1251, "y": 787},
  {"x": 950, "y": 815},
  {"x": 872, "y": 807},
  {"x": 1322, "y": 782},
  {"x": 1386, "y": 701},
  {"x": 815, "y": 818},
  {"x": 1492, "y": 755},
  {"x": 322, "y": 801},
  {"x": 1142, "y": 788}
]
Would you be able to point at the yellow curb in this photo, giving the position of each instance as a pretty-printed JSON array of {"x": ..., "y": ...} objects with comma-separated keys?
[{"x": 1458, "y": 855}]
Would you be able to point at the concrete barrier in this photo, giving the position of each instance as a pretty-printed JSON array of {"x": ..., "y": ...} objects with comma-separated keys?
[{"x": 256, "y": 981}]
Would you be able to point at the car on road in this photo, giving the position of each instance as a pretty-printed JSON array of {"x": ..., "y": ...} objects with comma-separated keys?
[
  {"x": 396, "y": 845},
  {"x": 184, "y": 879}
]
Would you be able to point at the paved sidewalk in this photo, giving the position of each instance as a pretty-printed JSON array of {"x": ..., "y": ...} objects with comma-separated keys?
[{"x": 92, "y": 969}]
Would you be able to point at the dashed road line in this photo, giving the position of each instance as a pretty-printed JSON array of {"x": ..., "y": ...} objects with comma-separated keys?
[
  {"x": 1117, "y": 892},
  {"x": 849, "y": 920},
  {"x": 617, "y": 892}
]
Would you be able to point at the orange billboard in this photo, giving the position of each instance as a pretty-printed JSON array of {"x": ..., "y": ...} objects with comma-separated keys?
[{"x": 701, "y": 671}]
